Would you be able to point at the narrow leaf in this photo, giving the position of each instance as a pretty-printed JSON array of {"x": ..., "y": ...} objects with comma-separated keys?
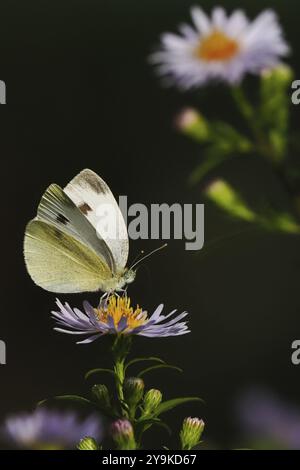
[
  {"x": 170, "y": 404},
  {"x": 159, "y": 366},
  {"x": 144, "y": 359},
  {"x": 74, "y": 398},
  {"x": 98, "y": 371}
]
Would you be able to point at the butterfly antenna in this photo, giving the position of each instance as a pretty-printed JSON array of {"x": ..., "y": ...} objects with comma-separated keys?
[
  {"x": 137, "y": 257},
  {"x": 149, "y": 254}
]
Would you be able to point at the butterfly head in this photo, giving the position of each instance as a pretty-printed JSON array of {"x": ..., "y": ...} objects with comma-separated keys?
[{"x": 129, "y": 276}]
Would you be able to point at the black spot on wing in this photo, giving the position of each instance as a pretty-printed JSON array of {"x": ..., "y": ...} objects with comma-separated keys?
[
  {"x": 84, "y": 208},
  {"x": 62, "y": 219}
]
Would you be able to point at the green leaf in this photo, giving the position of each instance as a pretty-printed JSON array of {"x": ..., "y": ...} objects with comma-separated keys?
[
  {"x": 159, "y": 366},
  {"x": 213, "y": 157},
  {"x": 226, "y": 143},
  {"x": 164, "y": 426},
  {"x": 147, "y": 423},
  {"x": 170, "y": 404},
  {"x": 98, "y": 371},
  {"x": 143, "y": 359},
  {"x": 74, "y": 398}
]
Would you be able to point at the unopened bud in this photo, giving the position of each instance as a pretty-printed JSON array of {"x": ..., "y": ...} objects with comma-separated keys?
[
  {"x": 282, "y": 74},
  {"x": 100, "y": 392},
  {"x": 190, "y": 434},
  {"x": 193, "y": 124},
  {"x": 151, "y": 400},
  {"x": 133, "y": 390},
  {"x": 123, "y": 435},
  {"x": 87, "y": 443},
  {"x": 225, "y": 196}
]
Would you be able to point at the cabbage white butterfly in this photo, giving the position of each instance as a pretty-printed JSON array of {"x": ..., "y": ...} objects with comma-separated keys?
[{"x": 67, "y": 247}]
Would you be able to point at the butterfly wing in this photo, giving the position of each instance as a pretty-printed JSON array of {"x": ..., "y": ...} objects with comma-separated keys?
[
  {"x": 57, "y": 209},
  {"x": 91, "y": 195},
  {"x": 57, "y": 262}
]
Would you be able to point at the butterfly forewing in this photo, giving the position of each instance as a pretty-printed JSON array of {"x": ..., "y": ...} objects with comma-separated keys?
[
  {"x": 92, "y": 195},
  {"x": 57, "y": 209}
]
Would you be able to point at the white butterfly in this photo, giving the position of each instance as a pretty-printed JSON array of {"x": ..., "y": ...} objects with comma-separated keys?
[{"x": 67, "y": 247}]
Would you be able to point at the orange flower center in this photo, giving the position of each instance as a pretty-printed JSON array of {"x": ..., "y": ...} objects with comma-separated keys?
[
  {"x": 217, "y": 46},
  {"x": 119, "y": 307}
]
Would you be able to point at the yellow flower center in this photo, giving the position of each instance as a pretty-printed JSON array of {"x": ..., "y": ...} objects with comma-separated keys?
[
  {"x": 217, "y": 46},
  {"x": 119, "y": 307}
]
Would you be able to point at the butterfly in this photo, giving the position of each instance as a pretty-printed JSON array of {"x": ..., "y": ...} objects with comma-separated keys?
[{"x": 71, "y": 246}]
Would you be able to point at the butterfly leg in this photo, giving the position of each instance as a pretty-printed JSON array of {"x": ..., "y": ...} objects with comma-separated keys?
[{"x": 104, "y": 299}]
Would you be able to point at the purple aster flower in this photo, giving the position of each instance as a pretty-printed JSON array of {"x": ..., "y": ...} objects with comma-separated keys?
[
  {"x": 265, "y": 417},
  {"x": 221, "y": 47},
  {"x": 49, "y": 430},
  {"x": 115, "y": 315}
]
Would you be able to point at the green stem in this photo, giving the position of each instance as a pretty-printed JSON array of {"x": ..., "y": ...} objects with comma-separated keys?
[
  {"x": 120, "y": 349},
  {"x": 119, "y": 378},
  {"x": 248, "y": 112}
]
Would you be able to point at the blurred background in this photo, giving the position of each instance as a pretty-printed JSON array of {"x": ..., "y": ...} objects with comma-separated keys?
[{"x": 80, "y": 93}]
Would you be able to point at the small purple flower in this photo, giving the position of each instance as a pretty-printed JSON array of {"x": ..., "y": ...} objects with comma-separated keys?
[
  {"x": 49, "y": 430},
  {"x": 116, "y": 316}
]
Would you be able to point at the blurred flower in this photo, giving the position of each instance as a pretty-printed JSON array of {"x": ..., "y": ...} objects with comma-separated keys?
[
  {"x": 122, "y": 434},
  {"x": 267, "y": 419},
  {"x": 116, "y": 316},
  {"x": 190, "y": 434},
  {"x": 223, "y": 48},
  {"x": 49, "y": 430}
]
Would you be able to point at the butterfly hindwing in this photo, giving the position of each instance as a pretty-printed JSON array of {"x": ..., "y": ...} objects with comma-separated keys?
[{"x": 60, "y": 263}]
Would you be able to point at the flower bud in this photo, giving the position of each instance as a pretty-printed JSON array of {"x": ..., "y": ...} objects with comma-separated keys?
[
  {"x": 133, "y": 390},
  {"x": 87, "y": 443},
  {"x": 280, "y": 75},
  {"x": 100, "y": 392},
  {"x": 123, "y": 435},
  {"x": 228, "y": 199},
  {"x": 190, "y": 434},
  {"x": 193, "y": 124},
  {"x": 151, "y": 400}
]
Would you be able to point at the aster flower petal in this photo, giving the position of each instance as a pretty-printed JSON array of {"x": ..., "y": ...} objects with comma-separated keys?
[
  {"x": 237, "y": 23},
  {"x": 219, "y": 17},
  {"x": 116, "y": 316},
  {"x": 200, "y": 20}
]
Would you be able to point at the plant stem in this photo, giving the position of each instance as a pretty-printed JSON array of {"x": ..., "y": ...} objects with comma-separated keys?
[
  {"x": 248, "y": 112},
  {"x": 120, "y": 350}
]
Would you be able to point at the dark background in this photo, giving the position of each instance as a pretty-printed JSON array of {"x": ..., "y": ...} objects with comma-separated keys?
[{"x": 80, "y": 93}]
